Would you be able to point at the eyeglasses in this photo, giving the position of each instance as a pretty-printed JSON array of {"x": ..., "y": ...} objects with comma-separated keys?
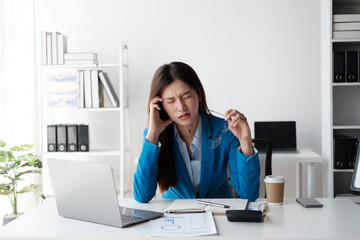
[{"x": 216, "y": 142}]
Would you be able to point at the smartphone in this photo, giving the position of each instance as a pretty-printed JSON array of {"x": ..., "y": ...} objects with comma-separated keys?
[
  {"x": 309, "y": 202},
  {"x": 163, "y": 114}
]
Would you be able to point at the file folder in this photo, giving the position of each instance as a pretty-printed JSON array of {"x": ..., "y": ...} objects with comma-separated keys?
[
  {"x": 350, "y": 152},
  {"x": 339, "y": 152},
  {"x": 61, "y": 138},
  {"x": 339, "y": 67},
  {"x": 83, "y": 138},
  {"x": 352, "y": 66},
  {"x": 51, "y": 138},
  {"x": 72, "y": 138}
]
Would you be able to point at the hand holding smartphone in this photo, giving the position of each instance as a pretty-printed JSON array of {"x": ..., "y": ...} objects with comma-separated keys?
[
  {"x": 163, "y": 115},
  {"x": 309, "y": 202}
]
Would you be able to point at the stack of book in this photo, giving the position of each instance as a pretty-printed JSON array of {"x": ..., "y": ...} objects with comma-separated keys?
[
  {"x": 346, "y": 26},
  {"x": 80, "y": 58},
  {"x": 54, "y": 51}
]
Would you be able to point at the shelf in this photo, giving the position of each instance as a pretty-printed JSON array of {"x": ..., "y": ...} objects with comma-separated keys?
[
  {"x": 80, "y": 67},
  {"x": 107, "y": 123},
  {"x": 355, "y": 40},
  {"x": 84, "y": 154},
  {"x": 105, "y": 109},
  {"x": 346, "y": 84},
  {"x": 343, "y": 170},
  {"x": 346, "y": 127}
]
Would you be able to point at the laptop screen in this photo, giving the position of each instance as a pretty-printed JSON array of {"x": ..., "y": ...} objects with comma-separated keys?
[{"x": 283, "y": 134}]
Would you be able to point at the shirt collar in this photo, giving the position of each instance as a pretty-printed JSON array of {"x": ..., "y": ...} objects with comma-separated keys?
[{"x": 196, "y": 141}]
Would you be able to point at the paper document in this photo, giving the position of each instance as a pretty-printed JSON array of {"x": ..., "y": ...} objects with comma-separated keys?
[
  {"x": 182, "y": 225},
  {"x": 192, "y": 206}
]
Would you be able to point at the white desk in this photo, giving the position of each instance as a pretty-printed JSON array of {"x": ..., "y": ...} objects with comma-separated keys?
[
  {"x": 302, "y": 156},
  {"x": 338, "y": 219}
]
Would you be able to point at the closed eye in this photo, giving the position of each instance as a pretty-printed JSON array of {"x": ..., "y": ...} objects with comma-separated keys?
[{"x": 186, "y": 95}]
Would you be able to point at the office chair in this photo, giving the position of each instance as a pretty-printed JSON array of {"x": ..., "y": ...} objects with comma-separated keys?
[{"x": 261, "y": 144}]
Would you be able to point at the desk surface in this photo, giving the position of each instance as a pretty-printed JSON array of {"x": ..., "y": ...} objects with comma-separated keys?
[
  {"x": 338, "y": 219},
  {"x": 301, "y": 156}
]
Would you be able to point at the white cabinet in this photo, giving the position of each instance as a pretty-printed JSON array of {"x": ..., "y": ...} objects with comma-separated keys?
[
  {"x": 108, "y": 126},
  {"x": 340, "y": 100}
]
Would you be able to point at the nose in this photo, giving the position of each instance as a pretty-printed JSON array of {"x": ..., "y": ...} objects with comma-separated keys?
[{"x": 181, "y": 106}]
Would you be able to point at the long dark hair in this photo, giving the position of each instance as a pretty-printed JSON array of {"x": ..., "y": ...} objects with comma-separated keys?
[{"x": 165, "y": 75}]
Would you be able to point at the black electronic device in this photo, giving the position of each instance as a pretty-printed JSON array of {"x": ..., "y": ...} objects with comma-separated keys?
[
  {"x": 51, "y": 138},
  {"x": 355, "y": 182},
  {"x": 309, "y": 202},
  {"x": 244, "y": 216},
  {"x": 61, "y": 138},
  {"x": 163, "y": 114},
  {"x": 339, "y": 67},
  {"x": 83, "y": 138},
  {"x": 352, "y": 66},
  {"x": 282, "y": 134},
  {"x": 72, "y": 138}
]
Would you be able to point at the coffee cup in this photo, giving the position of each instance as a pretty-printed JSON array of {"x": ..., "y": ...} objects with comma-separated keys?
[{"x": 274, "y": 186}]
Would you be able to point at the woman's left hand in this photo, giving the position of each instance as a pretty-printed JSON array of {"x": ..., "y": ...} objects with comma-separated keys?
[{"x": 239, "y": 126}]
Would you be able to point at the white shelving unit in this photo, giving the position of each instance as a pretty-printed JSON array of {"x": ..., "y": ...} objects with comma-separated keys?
[
  {"x": 108, "y": 126},
  {"x": 340, "y": 101}
]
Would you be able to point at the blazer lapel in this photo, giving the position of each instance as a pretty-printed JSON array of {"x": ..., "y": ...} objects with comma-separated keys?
[{"x": 207, "y": 156}]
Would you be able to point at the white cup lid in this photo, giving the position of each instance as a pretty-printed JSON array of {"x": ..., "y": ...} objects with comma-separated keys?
[{"x": 274, "y": 179}]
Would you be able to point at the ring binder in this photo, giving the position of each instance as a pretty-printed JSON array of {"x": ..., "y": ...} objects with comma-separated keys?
[{"x": 83, "y": 138}]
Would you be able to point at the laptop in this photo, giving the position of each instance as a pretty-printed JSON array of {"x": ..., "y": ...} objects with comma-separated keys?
[
  {"x": 86, "y": 191},
  {"x": 355, "y": 182},
  {"x": 282, "y": 133}
]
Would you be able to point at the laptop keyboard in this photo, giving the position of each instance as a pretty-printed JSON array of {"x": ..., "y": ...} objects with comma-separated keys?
[{"x": 127, "y": 218}]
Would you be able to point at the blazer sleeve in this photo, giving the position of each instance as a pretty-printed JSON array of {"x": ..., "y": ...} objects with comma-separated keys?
[
  {"x": 145, "y": 176},
  {"x": 244, "y": 172}
]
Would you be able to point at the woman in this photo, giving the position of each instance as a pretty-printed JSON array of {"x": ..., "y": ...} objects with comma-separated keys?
[{"x": 187, "y": 152}]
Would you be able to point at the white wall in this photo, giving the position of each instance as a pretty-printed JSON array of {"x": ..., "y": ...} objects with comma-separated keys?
[{"x": 261, "y": 57}]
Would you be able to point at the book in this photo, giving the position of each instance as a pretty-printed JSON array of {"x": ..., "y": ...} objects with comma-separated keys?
[
  {"x": 61, "y": 47},
  {"x": 348, "y": 26},
  {"x": 95, "y": 89},
  {"x": 54, "y": 48},
  {"x": 346, "y": 18},
  {"x": 101, "y": 94},
  {"x": 81, "y": 89},
  {"x": 80, "y": 62},
  {"x": 48, "y": 48},
  {"x": 192, "y": 205},
  {"x": 43, "y": 48},
  {"x": 80, "y": 56},
  {"x": 105, "y": 81},
  {"x": 87, "y": 89},
  {"x": 346, "y": 34}
]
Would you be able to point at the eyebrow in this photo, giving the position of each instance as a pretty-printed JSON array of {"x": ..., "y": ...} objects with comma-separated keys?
[{"x": 183, "y": 94}]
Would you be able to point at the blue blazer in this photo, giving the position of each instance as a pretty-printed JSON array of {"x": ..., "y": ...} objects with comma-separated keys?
[{"x": 244, "y": 170}]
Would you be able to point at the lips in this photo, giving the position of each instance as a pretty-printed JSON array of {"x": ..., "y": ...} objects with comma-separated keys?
[{"x": 184, "y": 116}]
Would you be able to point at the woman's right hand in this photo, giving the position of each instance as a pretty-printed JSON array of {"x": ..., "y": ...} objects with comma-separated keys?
[{"x": 156, "y": 125}]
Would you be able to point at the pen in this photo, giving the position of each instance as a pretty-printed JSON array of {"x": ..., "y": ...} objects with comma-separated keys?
[{"x": 213, "y": 204}]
